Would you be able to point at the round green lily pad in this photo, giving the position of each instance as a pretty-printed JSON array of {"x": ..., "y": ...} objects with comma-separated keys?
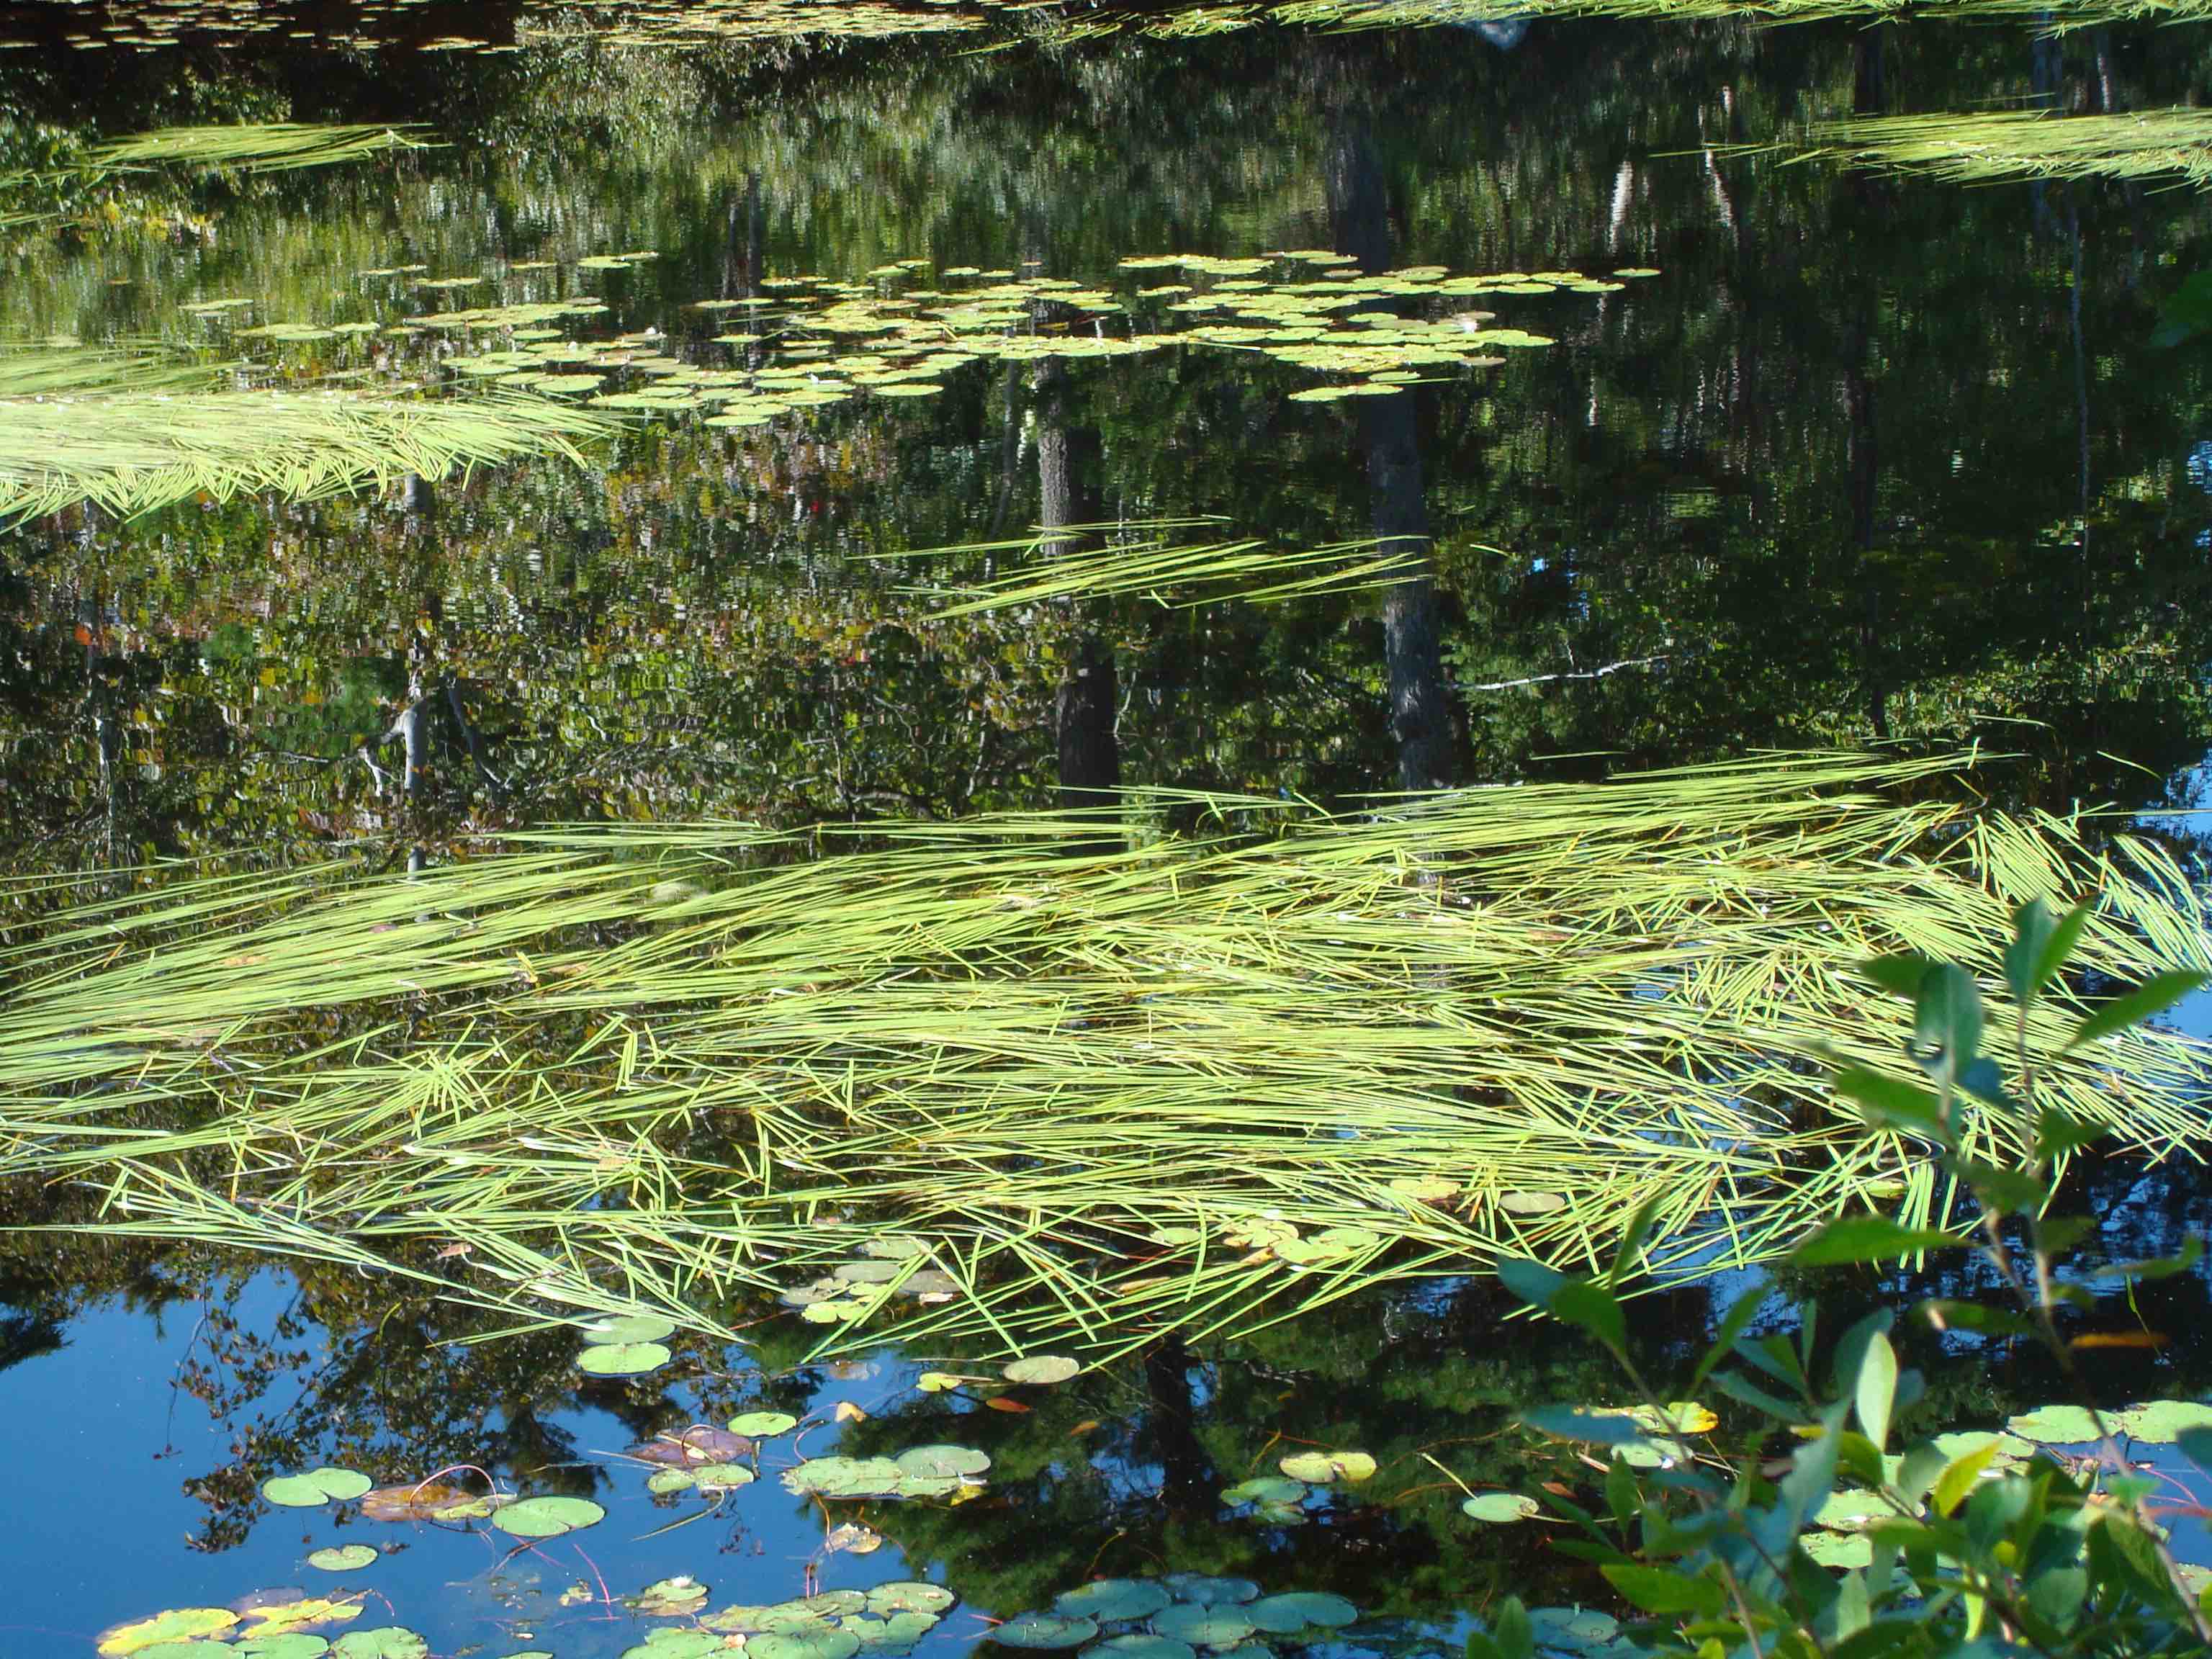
[
  {"x": 1203, "y": 1626},
  {"x": 547, "y": 1517},
  {"x": 1572, "y": 1627},
  {"x": 1280, "y": 1615},
  {"x": 1318, "y": 1468},
  {"x": 1045, "y": 1630},
  {"x": 2054, "y": 1425},
  {"x": 666, "y": 1644},
  {"x": 940, "y": 1462},
  {"x": 277, "y": 1644},
  {"x": 1266, "y": 1489},
  {"x": 1042, "y": 1369},
  {"x": 386, "y": 1642},
  {"x": 1141, "y": 1647},
  {"x": 845, "y": 1477},
  {"x": 823, "y": 1642},
  {"x": 661, "y": 1482},
  {"x": 1109, "y": 1600},
  {"x": 343, "y": 1558},
  {"x": 671, "y": 1598},
  {"x": 762, "y": 1425},
  {"x": 910, "y": 1595},
  {"x": 721, "y": 1476},
  {"x": 1497, "y": 1508},
  {"x": 623, "y": 1358},
  {"x": 1209, "y": 1592},
  {"x": 1838, "y": 1549},
  {"x": 630, "y": 1328},
  {"x": 2162, "y": 1421},
  {"x": 316, "y": 1486}
]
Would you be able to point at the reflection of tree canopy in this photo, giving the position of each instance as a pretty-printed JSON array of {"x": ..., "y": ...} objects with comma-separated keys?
[{"x": 1674, "y": 483}]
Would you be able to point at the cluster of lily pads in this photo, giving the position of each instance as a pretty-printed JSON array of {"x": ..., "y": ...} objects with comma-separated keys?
[
  {"x": 1176, "y": 1617},
  {"x": 899, "y": 331},
  {"x": 878, "y": 1623}
]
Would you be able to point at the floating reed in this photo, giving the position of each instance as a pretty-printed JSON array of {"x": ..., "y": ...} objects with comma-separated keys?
[
  {"x": 135, "y": 435},
  {"x": 1206, "y": 1084},
  {"x": 255, "y": 147},
  {"x": 1985, "y": 147}
]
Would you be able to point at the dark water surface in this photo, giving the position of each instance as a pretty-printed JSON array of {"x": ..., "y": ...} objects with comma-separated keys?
[{"x": 1867, "y": 458}]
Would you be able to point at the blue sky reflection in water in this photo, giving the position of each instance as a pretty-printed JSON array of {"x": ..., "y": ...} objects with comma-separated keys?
[{"x": 99, "y": 1407}]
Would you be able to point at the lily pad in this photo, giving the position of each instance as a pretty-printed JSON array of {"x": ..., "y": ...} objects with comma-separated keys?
[
  {"x": 385, "y": 1642},
  {"x": 343, "y": 1558},
  {"x": 277, "y": 1644},
  {"x": 671, "y": 1598},
  {"x": 1203, "y": 1626},
  {"x": 1110, "y": 1601},
  {"x": 1267, "y": 1489},
  {"x": 424, "y": 1500},
  {"x": 762, "y": 1425},
  {"x": 547, "y": 1517},
  {"x": 1042, "y": 1369},
  {"x": 662, "y": 1482},
  {"x": 942, "y": 1463},
  {"x": 824, "y": 1642},
  {"x": 1203, "y": 1590},
  {"x": 1045, "y": 1630},
  {"x": 845, "y": 1477},
  {"x": 1318, "y": 1468},
  {"x": 316, "y": 1486},
  {"x": 2162, "y": 1421},
  {"x": 1282, "y": 1615},
  {"x": 910, "y": 1595},
  {"x": 2054, "y": 1425},
  {"x": 1497, "y": 1508},
  {"x": 1141, "y": 1647},
  {"x": 630, "y": 1328},
  {"x": 176, "y": 1624},
  {"x": 623, "y": 1358},
  {"x": 721, "y": 1477}
]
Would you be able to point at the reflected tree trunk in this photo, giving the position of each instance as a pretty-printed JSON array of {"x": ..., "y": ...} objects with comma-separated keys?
[
  {"x": 1868, "y": 203},
  {"x": 1086, "y": 708},
  {"x": 1187, "y": 1481},
  {"x": 1390, "y": 438}
]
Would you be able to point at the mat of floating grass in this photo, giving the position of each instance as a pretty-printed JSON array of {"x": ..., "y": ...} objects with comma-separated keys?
[{"x": 1200, "y": 1084}]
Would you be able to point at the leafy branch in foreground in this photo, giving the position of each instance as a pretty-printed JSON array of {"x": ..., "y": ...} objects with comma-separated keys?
[{"x": 1953, "y": 1547}]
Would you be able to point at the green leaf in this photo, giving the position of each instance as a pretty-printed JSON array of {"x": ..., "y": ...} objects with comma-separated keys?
[
  {"x": 1514, "y": 1635},
  {"x": 1733, "y": 1323},
  {"x": 1598, "y": 1428},
  {"x": 2057, "y": 1134},
  {"x": 1875, "y": 1390},
  {"x": 1532, "y": 1281},
  {"x": 1586, "y": 1302},
  {"x": 1867, "y": 1238},
  {"x": 2162, "y": 1267},
  {"x": 1959, "y": 1475},
  {"x": 1888, "y": 1103},
  {"x": 1946, "y": 1019},
  {"x": 2040, "y": 947},
  {"x": 2012, "y": 1191},
  {"x": 1901, "y": 975},
  {"x": 1944, "y": 1314},
  {"x": 2150, "y": 998},
  {"x": 1657, "y": 1590},
  {"x": 1632, "y": 1239}
]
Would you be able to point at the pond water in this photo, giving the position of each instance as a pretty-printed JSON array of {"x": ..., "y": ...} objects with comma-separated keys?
[{"x": 882, "y": 413}]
